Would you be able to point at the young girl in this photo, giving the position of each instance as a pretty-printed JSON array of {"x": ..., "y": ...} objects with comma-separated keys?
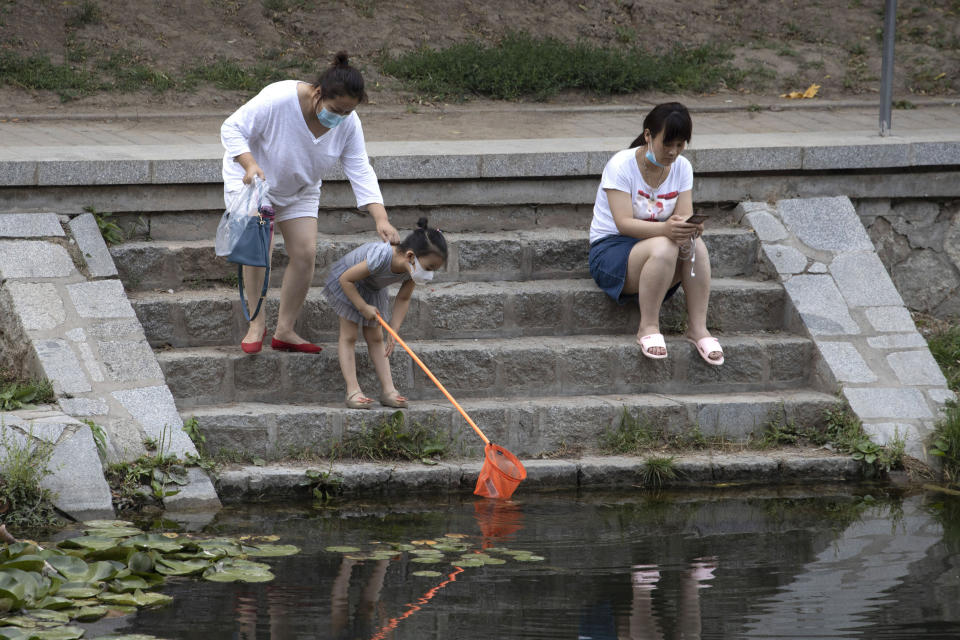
[{"x": 356, "y": 288}]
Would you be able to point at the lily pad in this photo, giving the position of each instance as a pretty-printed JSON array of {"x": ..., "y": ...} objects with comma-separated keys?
[
  {"x": 94, "y": 543},
  {"x": 428, "y": 559},
  {"x": 75, "y": 590},
  {"x": 529, "y": 558},
  {"x": 114, "y": 532},
  {"x": 169, "y": 567},
  {"x": 128, "y": 584},
  {"x": 426, "y": 552},
  {"x": 25, "y": 562},
  {"x": 238, "y": 570},
  {"x": 53, "y": 602},
  {"x": 88, "y": 614},
  {"x": 136, "y": 599},
  {"x": 153, "y": 541},
  {"x": 343, "y": 549},
  {"x": 107, "y": 524},
  {"x": 47, "y": 615},
  {"x": 69, "y": 567},
  {"x": 427, "y": 574},
  {"x": 271, "y": 550},
  {"x": 467, "y": 562}
]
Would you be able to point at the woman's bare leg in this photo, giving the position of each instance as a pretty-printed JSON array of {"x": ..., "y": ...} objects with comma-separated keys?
[
  {"x": 696, "y": 288},
  {"x": 650, "y": 272},
  {"x": 300, "y": 241}
]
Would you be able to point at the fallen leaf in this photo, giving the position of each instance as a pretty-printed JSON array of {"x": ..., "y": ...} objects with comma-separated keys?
[{"x": 811, "y": 91}]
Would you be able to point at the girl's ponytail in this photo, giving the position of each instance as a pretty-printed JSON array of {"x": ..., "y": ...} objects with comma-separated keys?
[{"x": 424, "y": 241}]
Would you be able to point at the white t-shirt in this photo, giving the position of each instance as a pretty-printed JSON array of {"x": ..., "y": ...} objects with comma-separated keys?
[
  {"x": 272, "y": 128},
  {"x": 623, "y": 174}
]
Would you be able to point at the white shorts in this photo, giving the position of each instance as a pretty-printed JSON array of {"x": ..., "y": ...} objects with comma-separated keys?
[{"x": 304, "y": 208}]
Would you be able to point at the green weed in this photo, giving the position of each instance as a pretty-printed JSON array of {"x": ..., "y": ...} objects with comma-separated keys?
[
  {"x": 192, "y": 428},
  {"x": 394, "y": 439},
  {"x": 111, "y": 231},
  {"x": 945, "y": 346},
  {"x": 324, "y": 485},
  {"x": 520, "y": 65},
  {"x": 18, "y": 394},
  {"x": 99, "y": 437},
  {"x": 636, "y": 434},
  {"x": 946, "y": 441},
  {"x": 657, "y": 469},
  {"x": 23, "y": 466}
]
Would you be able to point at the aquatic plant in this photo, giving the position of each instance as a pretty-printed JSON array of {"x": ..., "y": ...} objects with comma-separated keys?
[{"x": 114, "y": 568}]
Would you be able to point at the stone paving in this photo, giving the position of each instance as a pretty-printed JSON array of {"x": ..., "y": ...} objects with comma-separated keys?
[
  {"x": 68, "y": 319},
  {"x": 855, "y": 315},
  {"x": 76, "y": 326}
]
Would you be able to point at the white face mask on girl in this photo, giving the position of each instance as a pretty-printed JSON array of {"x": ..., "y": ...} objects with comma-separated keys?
[{"x": 418, "y": 274}]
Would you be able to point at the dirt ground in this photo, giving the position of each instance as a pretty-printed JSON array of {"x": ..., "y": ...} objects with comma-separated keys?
[{"x": 784, "y": 45}]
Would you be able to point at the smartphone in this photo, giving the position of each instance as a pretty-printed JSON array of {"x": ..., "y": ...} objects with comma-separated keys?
[{"x": 697, "y": 218}]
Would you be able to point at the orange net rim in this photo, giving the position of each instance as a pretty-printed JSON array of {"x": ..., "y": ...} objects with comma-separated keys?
[{"x": 490, "y": 462}]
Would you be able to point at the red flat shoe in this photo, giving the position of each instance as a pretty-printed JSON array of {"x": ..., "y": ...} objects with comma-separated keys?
[
  {"x": 303, "y": 347},
  {"x": 254, "y": 347}
]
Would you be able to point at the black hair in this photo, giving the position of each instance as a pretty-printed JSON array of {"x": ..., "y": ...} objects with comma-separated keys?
[
  {"x": 670, "y": 117},
  {"x": 424, "y": 241},
  {"x": 340, "y": 79}
]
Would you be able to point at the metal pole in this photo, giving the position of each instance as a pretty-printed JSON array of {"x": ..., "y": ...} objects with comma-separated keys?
[{"x": 886, "y": 74}]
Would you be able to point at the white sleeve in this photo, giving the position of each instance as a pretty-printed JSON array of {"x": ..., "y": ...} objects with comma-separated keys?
[
  {"x": 356, "y": 166},
  {"x": 686, "y": 178},
  {"x": 245, "y": 123},
  {"x": 614, "y": 177}
]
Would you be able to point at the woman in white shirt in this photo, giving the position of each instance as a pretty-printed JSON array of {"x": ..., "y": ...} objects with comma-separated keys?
[
  {"x": 290, "y": 134},
  {"x": 641, "y": 247}
]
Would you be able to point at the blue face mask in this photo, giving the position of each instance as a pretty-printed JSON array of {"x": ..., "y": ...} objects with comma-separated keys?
[
  {"x": 652, "y": 158},
  {"x": 328, "y": 119}
]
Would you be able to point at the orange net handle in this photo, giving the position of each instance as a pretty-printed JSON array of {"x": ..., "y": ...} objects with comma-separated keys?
[{"x": 434, "y": 378}]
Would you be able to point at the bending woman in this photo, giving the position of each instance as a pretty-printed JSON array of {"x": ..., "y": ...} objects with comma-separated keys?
[
  {"x": 641, "y": 247},
  {"x": 290, "y": 134}
]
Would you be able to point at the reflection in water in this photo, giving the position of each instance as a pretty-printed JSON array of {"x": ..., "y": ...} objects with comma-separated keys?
[
  {"x": 642, "y": 623},
  {"x": 499, "y": 520},
  {"x": 800, "y": 562}
]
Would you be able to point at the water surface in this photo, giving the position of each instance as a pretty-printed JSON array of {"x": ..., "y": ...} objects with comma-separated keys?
[{"x": 829, "y": 562}]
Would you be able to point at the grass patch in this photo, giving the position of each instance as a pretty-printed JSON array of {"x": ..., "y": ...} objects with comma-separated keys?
[
  {"x": 521, "y": 66},
  {"x": 393, "y": 438},
  {"x": 38, "y": 72},
  {"x": 23, "y": 466},
  {"x": 944, "y": 344},
  {"x": 231, "y": 75},
  {"x": 658, "y": 469},
  {"x": 843, "y": 432},
  {"x": 637, "y": 434},
  {"x": 946, "y": 442}
]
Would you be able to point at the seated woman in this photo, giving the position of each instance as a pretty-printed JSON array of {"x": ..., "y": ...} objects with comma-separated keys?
[{"x": 641, "y": 245}]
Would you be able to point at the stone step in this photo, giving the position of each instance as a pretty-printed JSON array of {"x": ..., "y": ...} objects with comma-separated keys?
[
  {"x": 212, "y": 317},
  {"x": 505, "y": 255},
  {"x": 528, "y": 426},
  {"x": 511, "y": 367}
]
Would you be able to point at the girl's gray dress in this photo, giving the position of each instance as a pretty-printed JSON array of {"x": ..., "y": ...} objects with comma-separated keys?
[{"x": 373, "y": 288}]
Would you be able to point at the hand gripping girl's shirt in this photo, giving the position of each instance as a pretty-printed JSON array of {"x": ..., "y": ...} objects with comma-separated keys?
[{"x": 356, "y": 288}]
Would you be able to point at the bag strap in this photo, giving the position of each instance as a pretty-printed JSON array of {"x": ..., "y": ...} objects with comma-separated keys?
[{"x": 266, "y": 282}]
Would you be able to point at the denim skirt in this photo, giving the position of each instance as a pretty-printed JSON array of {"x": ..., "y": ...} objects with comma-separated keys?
[{"x": 608, "y": 266}]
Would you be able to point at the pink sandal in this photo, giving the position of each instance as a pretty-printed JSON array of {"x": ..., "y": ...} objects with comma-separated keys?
[
  {"x": 706, "y": 346},
  {"x": 648, "y": 342}
]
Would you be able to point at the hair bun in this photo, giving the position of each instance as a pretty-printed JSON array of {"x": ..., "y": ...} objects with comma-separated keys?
[
  {"x": 422, "y": 224},
  {"x": 341, "y": 59}
]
